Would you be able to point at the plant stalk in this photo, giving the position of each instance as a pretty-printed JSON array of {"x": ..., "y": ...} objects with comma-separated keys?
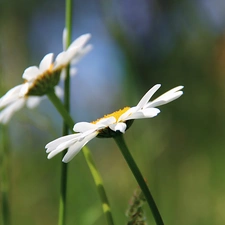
[{"x": 138, "y": 176}]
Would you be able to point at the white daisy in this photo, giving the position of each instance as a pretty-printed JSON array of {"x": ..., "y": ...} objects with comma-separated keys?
[
  {"x": 111, "y": 124},
  {"x": 40, "y": 80}
]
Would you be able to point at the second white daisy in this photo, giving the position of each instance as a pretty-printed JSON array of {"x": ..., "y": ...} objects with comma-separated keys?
[{"x": 111, "y": 124}]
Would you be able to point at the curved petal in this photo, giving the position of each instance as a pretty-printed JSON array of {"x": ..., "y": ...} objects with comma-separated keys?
[
  {"x": 11, "y": 96},
  {"x": 74, "y": 149},
  {"x": 118, "y": 127},
  {"x": 145, "y": 113},
  {"x": 84, "y": 126},
  {"x": 61, "y": 60},
  {"x": 129, "y": 112},
  {"x": 147, "y": 96},
  {"x": 167, "y": 97},
  {"x": 106, "y": 121},
  {"x": 80, "y": 41},
  {"x": 53, "y": 145},
  {"x": 90, "y": 127},
  {"x": 24, "y": 89},
  {"x": 7, "y": 113},
  {"x": 31, "y": 73},
  {"x": 34, "y": 101},
  {"x": 81, "y": 53},
  {"x": 46, "y": 62},
  {"x": 59, "y": 91}
]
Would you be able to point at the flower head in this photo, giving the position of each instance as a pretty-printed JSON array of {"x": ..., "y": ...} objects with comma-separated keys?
[
  {"x": 111, "y": 124},
  {"x": 38, "y": 81}
]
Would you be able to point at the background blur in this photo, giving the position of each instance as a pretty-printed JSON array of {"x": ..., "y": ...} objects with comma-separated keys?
[{"x": 136, "y": 45}]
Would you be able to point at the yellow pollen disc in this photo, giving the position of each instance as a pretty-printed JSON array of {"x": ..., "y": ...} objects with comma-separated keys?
[{"x": 116, "y": 114}]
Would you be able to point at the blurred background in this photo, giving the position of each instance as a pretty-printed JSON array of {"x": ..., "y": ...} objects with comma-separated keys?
[{"x": 136, "y": 45}]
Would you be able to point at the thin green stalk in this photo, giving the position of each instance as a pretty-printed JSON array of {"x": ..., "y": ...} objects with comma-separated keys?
[
  {"x": 88, "y": 157},
  {"x": 61, "y": 109},
  {"x": 64, "y": 166},
  {"x": 137, "y": 174},
  {"x": 4, "y": 174}
]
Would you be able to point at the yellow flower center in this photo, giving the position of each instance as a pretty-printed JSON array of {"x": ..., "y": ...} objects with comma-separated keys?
[{"x": 116, "y": 115}]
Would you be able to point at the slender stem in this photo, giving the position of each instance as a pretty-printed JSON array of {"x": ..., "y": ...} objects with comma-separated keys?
[
  {"x": 4, "y": 170},
  {"x": 137, "y": 174},
  {"x": 61, "y": 109},
  {"x": 69, "y": 8},
  {"x": 88, "y": 157},
  {"x": 99, "y": 184},
  {"x": 64, "y": 166}
]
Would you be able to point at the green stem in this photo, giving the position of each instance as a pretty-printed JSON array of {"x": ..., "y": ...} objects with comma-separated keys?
[
  {"x": 61, "y": 109},
  {"x": 64, "y": 166},
  {"x": 137, "y": 174},
  {"x": 4, "y": 174},
  {"x": 99, "y": 184},
  {"x": 88, "y": 157}
]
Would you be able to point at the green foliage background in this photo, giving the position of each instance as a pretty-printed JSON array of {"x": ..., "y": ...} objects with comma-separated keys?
[{"x": 180, "y": 152}]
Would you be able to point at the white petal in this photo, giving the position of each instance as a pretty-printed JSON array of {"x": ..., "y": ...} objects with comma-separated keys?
[
  {"x": 24, "y": 89},
  {"x": 147, "y": 96},
  {"x": 46, "y": 62},
  {"x": 61, "y": 60},
  {"x": 106, "y": 121},
  {"x": 34, "y": 101},
  {"x": 145, "y": 113},
  {"x": 7, "y": 113},
  {"x": 73, "y": 71},
  {"x": 59, "y": 91},
  {"x": 51, "y": 146},
  {"x": 74, "y": 149},
  {"x": 87, "y": 127},
  {"x": 129, "y": 112},
  {"x": 84, "y": 126},
  {"x": 80, "y": 41},
  {"x": 166, "y": 97},
  {"x": 64, "y": 38},
  {"x": 118, "y": 127},
  {"x": 81, "y": 53},
  {"x": 31, "y": 73},
  {"x": 11, "y": 96}
]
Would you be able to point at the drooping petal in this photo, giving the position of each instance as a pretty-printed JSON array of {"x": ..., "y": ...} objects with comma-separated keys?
[
  {"x": 167, "y": 97},
  {"x": 145, "y": 113},
  {"x": 46, "y": 62},
  {"x": 147, "y": 96},
  {"x": 31, "y": 73},
  {"x": 34, "y": 101},
  {"x": 24, "y": 89},
  {"x": 75, "y": 148},
  {"x": 51, "y": 146},
  {"x": 11, "y": 96},
  {"x": 118, "y": 127},
  {"x": 7, "y": 113}
]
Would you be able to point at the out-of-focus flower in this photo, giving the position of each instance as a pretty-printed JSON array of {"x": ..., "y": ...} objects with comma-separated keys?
[
  {"x": 40, "y": 80},
  {"x": 111, "y": 124}
]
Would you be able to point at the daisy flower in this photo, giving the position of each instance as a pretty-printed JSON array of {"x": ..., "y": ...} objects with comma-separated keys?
[
  {"x": 38, "y": 81},
  {"x": 112, "y": 124}
]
